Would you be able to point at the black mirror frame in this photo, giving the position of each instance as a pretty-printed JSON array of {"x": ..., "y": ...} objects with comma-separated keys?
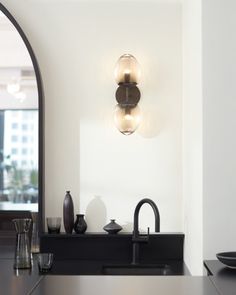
[{"x": 41, "y": 115}]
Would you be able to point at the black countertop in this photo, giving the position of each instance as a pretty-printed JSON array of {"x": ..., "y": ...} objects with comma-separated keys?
[
  {"x": 223, "y": 278},
  {"x": 117, "y": 285},
  {"x": 30, "y": 282},
  {"x": 17, "y": 281}
]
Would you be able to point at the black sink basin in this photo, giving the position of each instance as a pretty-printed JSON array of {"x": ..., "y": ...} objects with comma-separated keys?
[{"x": 139, "y": 269}]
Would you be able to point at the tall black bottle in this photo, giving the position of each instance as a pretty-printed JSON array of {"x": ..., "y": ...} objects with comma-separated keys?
[{"x": 68, "y": 213}]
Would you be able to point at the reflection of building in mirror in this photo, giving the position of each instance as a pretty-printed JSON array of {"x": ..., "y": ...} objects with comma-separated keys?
[
  {"x": 18, "y": 139},
  {"x": 18, "y": 122},
  {"x": 21, "y": 137}
]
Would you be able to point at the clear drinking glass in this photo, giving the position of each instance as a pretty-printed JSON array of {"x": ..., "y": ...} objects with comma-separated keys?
[
  {"x": 54, "y": 225},
  {"x": 22, "y": 250},
  {"x": 45, "y": 261}
]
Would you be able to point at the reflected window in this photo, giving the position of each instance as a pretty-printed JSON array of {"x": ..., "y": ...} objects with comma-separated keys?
[
  {"x": 24, "y": 139},
  {"x": 14, "y": 125},
  {"x": 23, "y": 163},
  {"x": 14, "y": 151},
  {"x": 24, "y": 151},
  {"x": 14, "y": 138},
  {"x": 24, "y": 127},
  {"x": 19, "y": 169}
]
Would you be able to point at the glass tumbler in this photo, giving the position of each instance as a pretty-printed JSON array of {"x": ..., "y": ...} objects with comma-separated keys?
[
  {"x": 54, "y": 225},
  {"x": 45, "y": 261}
]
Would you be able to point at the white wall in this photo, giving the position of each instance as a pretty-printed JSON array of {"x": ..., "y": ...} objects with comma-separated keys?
[
  {"x": 13, "y": 50},
  {"x": 192, "y": 135},
  {"x": 219, "y": 125},
  {"x": 122, "y": 170},
  {"x": 208, "y": 129},
  {"x": 77, "y": 44}
]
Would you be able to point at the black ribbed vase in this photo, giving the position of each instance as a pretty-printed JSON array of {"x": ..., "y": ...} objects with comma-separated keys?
[
  {"x": 68, "y": 213},
  {"x": 80, "y": 224}
]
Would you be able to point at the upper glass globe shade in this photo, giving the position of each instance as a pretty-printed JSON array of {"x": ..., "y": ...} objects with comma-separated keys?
[{"x": 127, "y": 70}]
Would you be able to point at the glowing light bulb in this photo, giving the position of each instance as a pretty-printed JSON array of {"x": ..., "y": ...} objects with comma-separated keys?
[{"x": 127, "y": 119}]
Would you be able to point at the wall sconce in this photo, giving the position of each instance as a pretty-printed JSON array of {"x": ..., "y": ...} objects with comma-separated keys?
[{"x": 127, "y": 113}]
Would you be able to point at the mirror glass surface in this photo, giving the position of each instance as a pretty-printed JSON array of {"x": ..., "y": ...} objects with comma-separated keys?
[{"x": 19, "y": 133}]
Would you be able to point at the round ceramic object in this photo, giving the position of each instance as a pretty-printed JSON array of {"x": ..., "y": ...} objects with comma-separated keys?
[
  {"x": 112, "y": 227},
  {"x": 227, "y": 258}
]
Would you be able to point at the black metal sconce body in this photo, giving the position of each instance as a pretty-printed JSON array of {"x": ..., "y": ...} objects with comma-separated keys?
[{"x": 128, "y": 94}]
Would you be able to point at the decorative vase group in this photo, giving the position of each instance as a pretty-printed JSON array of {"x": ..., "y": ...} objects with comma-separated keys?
[{"x": 79, "y": 225}]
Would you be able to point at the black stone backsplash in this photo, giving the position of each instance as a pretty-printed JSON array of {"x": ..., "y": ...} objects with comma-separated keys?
[{"x": 115, "y": 248}]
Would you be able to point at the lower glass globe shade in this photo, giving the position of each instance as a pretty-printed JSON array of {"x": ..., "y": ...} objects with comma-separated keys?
[{"x": 127, "y": 118}]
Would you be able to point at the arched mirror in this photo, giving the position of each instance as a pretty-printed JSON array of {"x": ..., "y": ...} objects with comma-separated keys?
[{"x": 20, "y": 123}]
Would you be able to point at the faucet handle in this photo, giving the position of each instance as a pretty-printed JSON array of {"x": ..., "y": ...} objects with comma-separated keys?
[{"x": 141, "y": 238}]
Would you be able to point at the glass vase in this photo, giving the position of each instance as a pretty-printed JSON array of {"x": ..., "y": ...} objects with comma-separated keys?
[{"x": 22, "y": 250}]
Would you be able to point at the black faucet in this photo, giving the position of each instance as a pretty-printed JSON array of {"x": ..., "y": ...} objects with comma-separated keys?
[{"x": 137, "y": 239}]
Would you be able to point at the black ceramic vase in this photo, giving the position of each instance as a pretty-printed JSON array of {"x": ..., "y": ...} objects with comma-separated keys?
[
  {"x": 80, "y": 224},
  {"x": 68, "y": 213},
  {"x": 112, "y": 227}
]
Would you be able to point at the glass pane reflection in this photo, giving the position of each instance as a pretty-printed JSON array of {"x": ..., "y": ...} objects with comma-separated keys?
[
  {"x": 18, "y": 159},
  {"x": 18, "y": 123}
]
